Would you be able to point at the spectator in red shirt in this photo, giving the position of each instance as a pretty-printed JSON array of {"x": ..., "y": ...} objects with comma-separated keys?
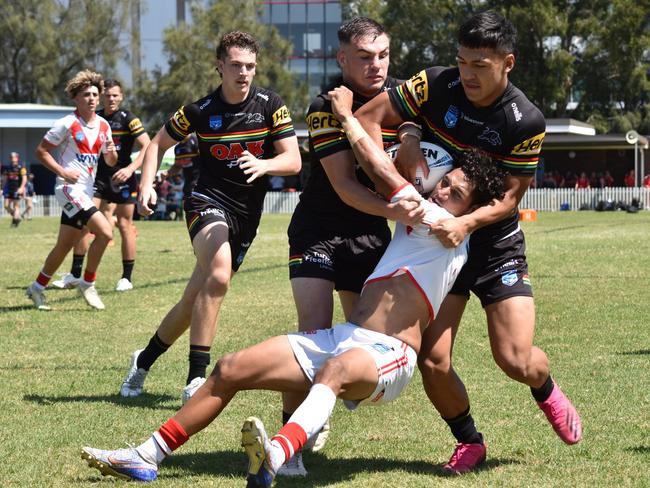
[
  {"x": 607, "y": 180},
  {"x": 582, "y": 181},
  {"x": 630, "y": 179},
  {"x": 646, "y": 181}
]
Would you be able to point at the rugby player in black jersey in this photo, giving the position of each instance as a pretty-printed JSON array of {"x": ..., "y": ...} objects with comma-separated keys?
[
  {"x": 476, "y": 105},
  {"x": 245, "y": 133},
  {"x": 115, "y": 187},
  {"x": 13, "y": 187},
  {"x": 338, "y": 231},
  {"x": 185, "y": 161}
]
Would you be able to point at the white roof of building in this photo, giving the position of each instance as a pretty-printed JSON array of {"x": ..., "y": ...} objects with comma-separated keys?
[{"x": 31, "y": 115}]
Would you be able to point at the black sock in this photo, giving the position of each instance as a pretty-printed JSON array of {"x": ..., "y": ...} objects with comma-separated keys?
[
  {"x": 199, "y": 358},
  {"x": 77, "y": 265},
  {"x": 463, "y": 429},
  {"x": 153, "y": 351},
  {"x": 127, "y": 268},
  {"x": 285, "y": 417},
  {"x": 543, "y": 392}
]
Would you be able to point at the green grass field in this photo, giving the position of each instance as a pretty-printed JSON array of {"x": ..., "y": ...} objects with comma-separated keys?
[{"x": 60, "y": 371}]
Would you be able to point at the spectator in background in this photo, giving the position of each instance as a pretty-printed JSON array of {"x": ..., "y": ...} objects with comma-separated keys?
[
  {"x": 548, "y": 181},
  {"x": 29, "y": 197},
  {"x": 607, "y": 181},
  {"x": 595, "y": 179},
  {"x": 559, "y": 179},
  {"x": 569, "y": 180},
  {"x": 13, "y": 187},
  {"x": 582, "y": 182},
  {"x": 629, "y": 179},
  {"x": 646, "y": 181}
]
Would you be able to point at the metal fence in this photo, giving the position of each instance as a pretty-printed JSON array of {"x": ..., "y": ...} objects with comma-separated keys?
[{"x": 540, "y": 199}]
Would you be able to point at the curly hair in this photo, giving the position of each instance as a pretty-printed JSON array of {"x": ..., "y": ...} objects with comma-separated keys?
[
  {"x": 83, "y": 80},
  {"x": 240, "y": 39},
  {"x": 483, "y": 173}
]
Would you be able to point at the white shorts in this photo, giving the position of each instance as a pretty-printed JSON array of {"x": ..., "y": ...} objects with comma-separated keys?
[
  {"x": 73, "y": 198},
  {"x": 395, "y": 360}
]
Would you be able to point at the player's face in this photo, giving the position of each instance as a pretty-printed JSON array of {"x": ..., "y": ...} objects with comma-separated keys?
[
  {"x": 237, "y": 71},
  {"x": 364, "y": 63},
  {"x": 87, "y": 99},
  {"x": 453, "y": 193},
  {"x": 483, "y": 74},
  {"x": 112, "y": 99}
]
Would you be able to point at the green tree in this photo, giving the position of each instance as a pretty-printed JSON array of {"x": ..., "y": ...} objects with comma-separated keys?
[
  {"x": 45, "y": 42},
  {"x": 191, "y": 52}
]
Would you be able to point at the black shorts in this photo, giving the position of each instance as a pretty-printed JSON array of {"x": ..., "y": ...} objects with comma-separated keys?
[
  {"x": 79, "y": 219},
  {"x": 107, "y": 189},
  {"x": 241, "y": 232},
  {"x": 345, "y": 257},
  {"x": 496, "y": 271},
  {"x": 12, "y": 195}
]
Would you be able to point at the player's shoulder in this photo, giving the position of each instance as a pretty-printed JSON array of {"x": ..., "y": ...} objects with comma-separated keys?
[
  {"x": 103, "y": 122},
  {"x": 524, "y": 118}
]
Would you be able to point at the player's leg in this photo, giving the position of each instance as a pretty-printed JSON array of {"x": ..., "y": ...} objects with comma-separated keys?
[
  {"x": 124, "y": 214},
  {"x": 269, "y": 365},
  {"x": 511, "y": 326},
  {"x": 101, "y": 228},
  {"x": 446, "y": 390},
  {"x": 66, "y": 238},
  {"x": 314, "y": 302},
  {"x": 15, "y": 210}
]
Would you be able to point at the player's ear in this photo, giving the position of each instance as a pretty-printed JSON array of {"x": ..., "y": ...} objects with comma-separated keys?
[
  {"x": 509, "y": 63},
  {"x": 340, "y": 57}
]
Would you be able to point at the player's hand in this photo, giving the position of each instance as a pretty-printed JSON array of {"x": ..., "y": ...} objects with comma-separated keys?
[
  {"x": 109, "y": 146},
  {"x": 409, "y": 157},
  {"x": 122, "y": 175},
  {"x": 450, "y": 232},
  {"x": 341, "y": 98},
  {"x": 146, "y": 200},
  {"x": 71, "y": 175},
  {"x": 408, "y": 210},
  {"x": 252, "y": 166}
]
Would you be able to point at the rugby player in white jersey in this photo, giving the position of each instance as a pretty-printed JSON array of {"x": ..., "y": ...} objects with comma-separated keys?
[
  {"x": 368, "y": 360},
  {"x": 79, "y": 138}
]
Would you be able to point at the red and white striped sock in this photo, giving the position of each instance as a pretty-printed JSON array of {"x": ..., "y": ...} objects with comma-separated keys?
[
  {"x": 305, "y": 422},
  {"x": 42, "y": 280}
]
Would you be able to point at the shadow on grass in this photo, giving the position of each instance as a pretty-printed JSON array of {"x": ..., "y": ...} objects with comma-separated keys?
[
  {"x": 639, "y": 352},
  {"x": 322, "y": 471},
  {"x": 639, "y": 449},
  {"x": 54, "y": 299},
  {"x": 145, "y": 400}
]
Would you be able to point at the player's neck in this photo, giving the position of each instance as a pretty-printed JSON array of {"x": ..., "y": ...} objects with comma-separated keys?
[
  {"x": 88, "y": 116},
  {"x": 233, "y": 97}
]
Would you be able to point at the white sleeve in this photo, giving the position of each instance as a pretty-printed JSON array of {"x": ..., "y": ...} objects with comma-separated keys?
[{"x": 57, "y": 134}]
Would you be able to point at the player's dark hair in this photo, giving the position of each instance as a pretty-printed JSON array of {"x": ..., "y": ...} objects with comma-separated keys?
[
  {"x": 484, "y": 174},
  {"x": 111, "y": 82},
  {"x": 242, "y": 40},
  {"x": 490, "y": 30},
  {"x": 360, "y": 27}
]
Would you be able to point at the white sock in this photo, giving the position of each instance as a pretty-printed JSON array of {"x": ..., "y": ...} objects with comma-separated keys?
[
  {"x": 152, "y": 451},
  {"x": 317, "y": 408},
  {"x": 38, "y": 286}
]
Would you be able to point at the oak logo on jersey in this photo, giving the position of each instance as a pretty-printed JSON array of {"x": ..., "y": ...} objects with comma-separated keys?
[
  {"x": 322, "y": 120},
  {"x": 181, "y": 120},
  {"x": 530, "y": 146},
  {"x": 230, "y": 152},
  {"x": 281, "y": 116},
  {"x": 419, "y": 87}
]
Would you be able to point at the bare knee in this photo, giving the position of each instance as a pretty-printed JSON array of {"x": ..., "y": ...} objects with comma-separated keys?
[
  {"x": 124, "y": 226},
  {"x": 514, "y": 364},
  {"x": 227, "y": 372},
  {"x": 217, "y": 282},
  {"x": 433, "y": 364}
]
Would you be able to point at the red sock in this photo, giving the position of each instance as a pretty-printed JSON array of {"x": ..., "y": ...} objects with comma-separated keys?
[
  {"x": 43, "y": 279},
  {"x": 173, "y": 434},
  {"x": 291, "y": 438},
  {"x": 90, "y": 277}
]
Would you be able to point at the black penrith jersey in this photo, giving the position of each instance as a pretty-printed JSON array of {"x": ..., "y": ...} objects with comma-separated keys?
[
  {"x": 224, "y": 131},
  {"x": 125, "y": 128},
  {"x": 326, "y": 137},
  {"x": 511, "y": 130}
]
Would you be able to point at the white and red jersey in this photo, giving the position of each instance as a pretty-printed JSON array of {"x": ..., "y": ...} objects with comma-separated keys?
[
  {"x": 79, "y": 146},
  {"x": 432, "y": 267}
]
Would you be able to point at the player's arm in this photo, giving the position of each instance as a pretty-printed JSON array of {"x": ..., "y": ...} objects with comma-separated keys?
[
  {"x": 340, "y": 169},
  {"x": 125, "y": 173},
  {"x": 152, "y": 158},
  {"x": 23, "y": 181},
  {"x": 109, "y": 150},
  {"x": 286, "y": 162},
  {"x": 43, "y": 154}
]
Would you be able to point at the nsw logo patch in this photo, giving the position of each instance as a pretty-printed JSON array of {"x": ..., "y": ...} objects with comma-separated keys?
[
  {"x": 451, "y": 117},
  {"x": 215, "y": 122},
  {"x": 509, "y": 278}
]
